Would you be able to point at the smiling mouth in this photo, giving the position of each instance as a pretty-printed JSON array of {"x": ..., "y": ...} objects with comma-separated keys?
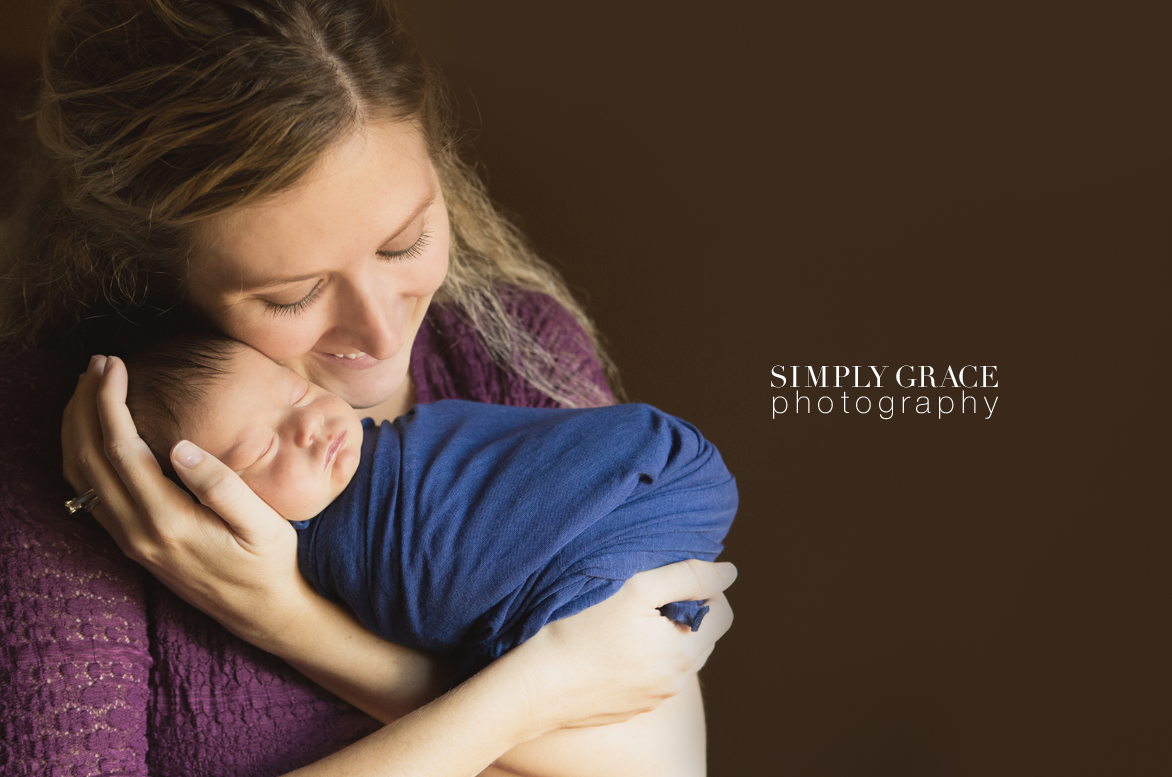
[
  {"x": 357, "y": 359},
  {"x": 333, "y": 448}
]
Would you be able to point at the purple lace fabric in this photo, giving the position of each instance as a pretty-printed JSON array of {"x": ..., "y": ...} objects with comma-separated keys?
[{"x": 102, "y": 669}]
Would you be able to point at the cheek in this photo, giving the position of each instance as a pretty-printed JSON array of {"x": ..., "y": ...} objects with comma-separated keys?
[
  {"x": 443, "y": 249},
  {"x": 260, "y": 485},
  {"x": 282, "y": 338},
  {"x": 438, "y": 271},
  {"x": 286, "y": 486},
  {"x": 421, "y": 278}
]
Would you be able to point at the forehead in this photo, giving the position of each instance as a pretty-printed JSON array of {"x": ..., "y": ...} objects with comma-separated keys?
[{"x": 363, "y": 190}]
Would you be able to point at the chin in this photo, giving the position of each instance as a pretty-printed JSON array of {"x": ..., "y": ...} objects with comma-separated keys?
[
  {"x": 368, "y": 390},
  {"x": 299, "y": 512},
  {"x": 365, "y": 400}
]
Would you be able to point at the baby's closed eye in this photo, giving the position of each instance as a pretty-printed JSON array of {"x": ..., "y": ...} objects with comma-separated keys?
[
  {"x": 245, "y": 456},
  {"x": 300, "y": 392},
  {"x": 270, "y": 447}
]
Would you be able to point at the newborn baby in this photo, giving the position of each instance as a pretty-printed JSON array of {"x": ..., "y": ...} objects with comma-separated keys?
[{"x": 461, "y": 528}]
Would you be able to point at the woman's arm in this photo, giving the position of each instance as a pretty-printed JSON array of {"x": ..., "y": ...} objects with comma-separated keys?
[
  {"x": 238, "y": 563},
  {"x": 552, "y": 682},
  {"x": 242, "y": 570}
]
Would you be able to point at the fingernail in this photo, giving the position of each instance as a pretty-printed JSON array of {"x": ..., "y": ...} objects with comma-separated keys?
[
  {"x": 93, "y": 359},
  {"x": 102, "y": 361},
  {"x": 728, "y": 572},
  {"x": 186, "y": 454}
]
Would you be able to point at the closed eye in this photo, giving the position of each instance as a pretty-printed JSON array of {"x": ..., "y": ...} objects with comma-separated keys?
[
  {"x": 300, "y": 393},
  {"x": 409, "y": 253},
  {"x": 274, "y": 442},
  {"x": 293, "y": 308}
]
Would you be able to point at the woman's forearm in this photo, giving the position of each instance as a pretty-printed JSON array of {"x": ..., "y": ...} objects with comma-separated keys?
[
  {"x": 327, "y": 644},
  {"x": 602, "y": 665},
  {"x": 458, "y": 735}
]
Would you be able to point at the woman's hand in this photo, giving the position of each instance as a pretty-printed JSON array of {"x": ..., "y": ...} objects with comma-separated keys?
[
  {"x": 234, "y": 558},
  {"x": 620, "y": 657}
]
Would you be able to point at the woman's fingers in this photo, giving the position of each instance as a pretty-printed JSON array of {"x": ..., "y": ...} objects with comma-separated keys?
[
  {"x": 126, "y": 451},
  {"x": 80, "y": 422},
  {"x": 621, "y": 657},
  {"x": 714, "y": 626},
  {"x": 134, "y": 488},
  {"x": 85, "y": 462},
  {"x": 683, "y": 581},
  {"x": 224, "y": 493}
]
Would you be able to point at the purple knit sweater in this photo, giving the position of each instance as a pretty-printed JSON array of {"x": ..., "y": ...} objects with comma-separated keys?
[{"x": 102, "y": 669}]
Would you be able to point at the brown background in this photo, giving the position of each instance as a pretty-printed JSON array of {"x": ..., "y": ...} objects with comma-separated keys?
[{"x": 731, "y": 188}]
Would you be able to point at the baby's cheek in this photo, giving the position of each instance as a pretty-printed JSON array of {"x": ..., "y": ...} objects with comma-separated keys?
[
  {"x": 258, "y": 484},
  {"x": 291, "y": 493}
]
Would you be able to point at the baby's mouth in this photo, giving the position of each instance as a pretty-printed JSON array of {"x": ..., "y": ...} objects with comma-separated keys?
[{"x": 333, "y": 448}]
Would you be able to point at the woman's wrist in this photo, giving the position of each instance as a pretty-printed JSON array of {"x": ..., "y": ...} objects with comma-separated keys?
[
  {"x": 523, "y": 694},
  {"x": 278, "y": 620}
]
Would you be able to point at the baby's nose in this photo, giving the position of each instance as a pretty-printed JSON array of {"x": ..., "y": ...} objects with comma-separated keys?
[{"x": 308, "y": 426}]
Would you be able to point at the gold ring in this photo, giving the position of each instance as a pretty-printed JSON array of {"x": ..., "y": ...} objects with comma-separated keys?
[{"x": 85, "y": 502}]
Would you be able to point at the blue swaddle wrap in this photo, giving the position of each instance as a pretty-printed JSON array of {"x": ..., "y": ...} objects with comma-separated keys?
[{"x": 468, "y": 527}]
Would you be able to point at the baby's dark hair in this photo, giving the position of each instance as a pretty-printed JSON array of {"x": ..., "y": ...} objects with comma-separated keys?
[{"x": 169, "y": 376}]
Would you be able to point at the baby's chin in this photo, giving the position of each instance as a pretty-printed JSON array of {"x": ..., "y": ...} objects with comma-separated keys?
[
  {"x": 302, "y": 513},
  {"x": 343, "y": 469}
]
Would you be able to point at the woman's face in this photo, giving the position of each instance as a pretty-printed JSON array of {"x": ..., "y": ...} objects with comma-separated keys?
[{"x": 332, "y": 277}]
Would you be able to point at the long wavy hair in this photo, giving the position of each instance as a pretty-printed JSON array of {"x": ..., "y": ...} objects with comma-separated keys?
[{"x": 156, "y": 114}]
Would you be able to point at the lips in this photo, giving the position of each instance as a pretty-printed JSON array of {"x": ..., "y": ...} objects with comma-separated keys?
[
  {"x": 355, "y": 361},
  {"x": 333, "y": 448}
]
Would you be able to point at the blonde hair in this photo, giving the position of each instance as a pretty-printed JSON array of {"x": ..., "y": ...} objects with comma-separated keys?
[{"x": 156, "y": 114}]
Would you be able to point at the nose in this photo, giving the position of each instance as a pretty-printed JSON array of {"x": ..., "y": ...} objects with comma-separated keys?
[
  {"x": 372, "y": 319},
  {"x": 306, "y": 426}
]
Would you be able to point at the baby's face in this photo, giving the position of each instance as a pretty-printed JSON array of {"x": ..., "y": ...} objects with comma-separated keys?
[{"x": 294, "y": 444}]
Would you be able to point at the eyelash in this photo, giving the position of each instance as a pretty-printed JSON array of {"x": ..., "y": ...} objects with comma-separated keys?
[
  {"x": 276, "y": 437},
  {"x": 397, "y": 256},
  {"x": 272, "y": 444},
  {"x": 292, "y": 309}
]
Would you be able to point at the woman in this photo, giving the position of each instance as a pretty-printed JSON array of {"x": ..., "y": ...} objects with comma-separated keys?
[{"x": 282, "y": 170}]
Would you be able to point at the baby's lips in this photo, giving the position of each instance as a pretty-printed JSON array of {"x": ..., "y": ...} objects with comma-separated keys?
[{"x": 336, "y": 442}]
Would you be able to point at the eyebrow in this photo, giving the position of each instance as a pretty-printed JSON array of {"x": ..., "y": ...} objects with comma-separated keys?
[{"x": 270, "y": 281}]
